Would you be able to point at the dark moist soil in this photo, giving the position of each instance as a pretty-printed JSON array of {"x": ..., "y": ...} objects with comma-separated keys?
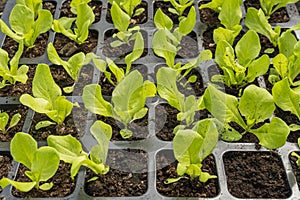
[
  {"x": 18, "y": 89},
  {"x": 40, "y": 44},
  {"x": 189, "y": 46},
  {"x": 209, "y": 16},
  {"x": 66, "y": 47},
  {"x": 265, "y": 44},
  {"x": 280, "y": 16},
  {"x": 123, "y": 50},
  {"x": 295, "y": 167},
  {"x": 65, "y": 10},
  {"x": 256, "y": 175},
  {"x": 127, "y": 175},
  {"x": 139, "y": 128},
  {"x": 185, "y": 187},
  {"x": 2, "y": 6},
  {"x": 289, "y": 118},
  {"x": 11, "y": 110},
  {"x": 63, "y": 185},
  {"x": 142, "y": 18},
  {"x": 5, "y": 166},
  {"x": 164, "y": 6},
  {"x": 166, "y": 121},
  {"x": 74, "y": 124},
  {"x": 233, "y": 90},
  {"x": 107, "y": 88}
]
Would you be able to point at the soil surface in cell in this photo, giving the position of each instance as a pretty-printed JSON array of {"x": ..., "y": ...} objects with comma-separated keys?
[
  {"x": 165, "y": 6},
  {"x": 63, "y": 185},
  {"x": 127, "y": 175},
  {"x": 209, "y": 16},
  {"x": 5, "y": 166},
  {"x": 296, "y": 168},
  {"x": 256, "y": 175},
  {"x": 185, "y": 187}
]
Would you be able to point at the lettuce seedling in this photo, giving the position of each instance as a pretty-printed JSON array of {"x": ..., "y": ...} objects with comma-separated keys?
[
  {"x": 243, "y": 68},
  {"x": 230, "y": 17},
  {"x": 287, "y": 99},
  {"x": 74, "y": 63},
  {"x": 34, "y": 5},
  {"x": 48, "y": 97},
  {"x": 129, "y": 6},
  {"x": 118, "y": 72},
  {"x": 24, "y": 26},
  {"x": 84, "y": 19},
  {"x": 4, "y": 118},
  {"x": 70, "y": 149},
  {"x": 121, "y": 21},
  {"x": 255, "y": 105},
  {"x": 215, "y": 5},
  {"x": 179, "y": 6},
  {"x": 75, "y": 3},
  {"x": 271, "y": 6},
  {"x": 191, "y": 147},
  {"x": 286, "y": 64},
  {"x": 128, "y": 100},
  {"x": 167, "y": 89},
  {"x": 257, "y": 21},
  {"x": 297, "y": 155},
  {"x": 13, "y": 73},
  {"x": 42, "y": 163}
]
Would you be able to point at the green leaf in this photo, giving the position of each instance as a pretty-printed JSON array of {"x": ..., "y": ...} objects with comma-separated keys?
[
  {"x": 285, "y": 98},
  {"x": 204, "y": 177},
  {"x": 85, "y": 18},
  {"x": 43, "y": 124},
  {"x": 136, "y": 53},
  {"x": 272, "y": 135},
  {"x": 14, "y": 120},
  {"x": 172, "y": 180},
  {"x": 187, "y": 24},
  {"x": 53, "y": 55},
  {"x": 118, "y": 72},
  {"x": 257, "y": 68},
  {"x": 286, "y": 43},
  {"x": 7, "y": 31},
  {"x": 126, "y": 133},
  {"x": 46, "y": 186},
  {"x": 45, "y": 163},
  {"x": 21, "y": 19},
  {"x": 22, "y": 186},
  {"x": 94, "y": 102},
  {"x": 4, "y": 117},
  {"x": 130, "y": 5},
  {"x": 294, "y": 127},
  {"x": 102, "y": 132},
  {"x": 62, "y": 108},
  {"x": 256, "y": 104},
  {"x": 23, "y": 148},
  {"x": 231, "y": 13},
  {"x": 120, "y": 19},
  {"x": 39, "y": 105},
  {"x": 280, "y": 63},
  {"x": 215, "y": 5},
  {"x": 161, "y": 20},
  {"x": 245, "y": 52}
]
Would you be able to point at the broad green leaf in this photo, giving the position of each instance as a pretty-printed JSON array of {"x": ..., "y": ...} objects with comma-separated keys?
[
  {"x": 130, "y": 5},
  {"x": 245, "y": 52},
  {"x": 39, "y": 105},
  {"x": 85, "y": 18},
  {"x": 285, "y": 98},
  {"x": 161, "y": 20},
  {"x": 215, "y": 5},
  {"x": 21, "y": 74},
  {"x": 21, "y": 19},
  {"x": 43, "y": 84},
  {"x": 14, "y": 120},
  {"x": 120, "y": 19},
  {"x": 41, "y": 25},
  {"x": 7, "y": 31},
  {"x": 43, "y": 124},
  {"x": 257, "y": 68},
  {"x": 286, "y": 43},
  {"x": 118, "y": 72},
  {"x": 272, "y": 135},
  {"x": 46, "y": 186},
  {"x": 126, "y": 133},
  {"x": 67, "y": 147},
  {"x": 102, "y": 132},
  {"x": 294, "y": 127},
  {"x": 280, "y": 63},
  {"x": 187, "y": 24},
  {"x": 94, "y": 102},
  {"x": 45, "y": 163},
  {"x": 62, "y": 108},
  {"x": 23, "y": 148},
  {"x": 4, "y": 60},
  {"x": 14, "y": 63},
  {"x": 53, "y": 55},
  {"x": 221, "y": 33},
  {"x": 75, "y": 64},
  {"x": 256, "y": 104},
  {"x": 4, "y": 117},
  {"x": 137, "y": 51},
  {"x": 167, "y": 88},
  {"x": 22, "y": 186},
  {"x": 231, "y": 13},
  {"x": 222, "y": 106}
]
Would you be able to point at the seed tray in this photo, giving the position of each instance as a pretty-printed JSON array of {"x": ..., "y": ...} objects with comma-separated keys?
[{"x": 151, "y": 144}]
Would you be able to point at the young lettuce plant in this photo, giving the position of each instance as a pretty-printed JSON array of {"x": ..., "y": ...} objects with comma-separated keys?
[
  {"x": 271, "y": 6},
  {"x": 243, "y": 68},
  {"x": 4, "y": 118},
  {"x": 255, "y": 105},
  {"x": 191, "y": 147},
  {"x": 42, "y": 163},
  {"x": 287, "y": 99},
  {"x": 121, "y": 21},
  {"x": 70, "y": 150},
  {"x": 167, "y": 89},
  {"x": 84, "y": 19},
  {"x": 128, "y": 6},
  {"x": 74, "y": 63},
  {"x": 13, "y": 73},
  {"x": 257, "y": 21},
  {"x": 215, "y": 5},
  {"x": 118, "y": 72},
  {"x": 34, "y": 5},
  {"x": 24, "y": 26},
  {"x": 297, "y": 155},
  {"x": 179, "y": 6},
  {"x": 128, "y": 100},
  {"x": 47, "y": 98}
]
